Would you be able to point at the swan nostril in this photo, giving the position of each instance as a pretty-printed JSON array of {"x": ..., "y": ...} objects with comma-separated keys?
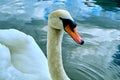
[{"x": 82, "y": 42}]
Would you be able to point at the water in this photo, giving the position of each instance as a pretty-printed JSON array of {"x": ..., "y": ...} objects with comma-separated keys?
[{"x": 97, "y": 59}]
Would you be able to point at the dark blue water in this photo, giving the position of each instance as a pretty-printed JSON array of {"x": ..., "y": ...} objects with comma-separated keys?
[{"x": 98, "y": 22}]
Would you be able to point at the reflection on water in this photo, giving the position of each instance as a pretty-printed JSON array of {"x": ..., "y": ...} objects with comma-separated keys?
[
  {"x": 98, "y": 58},
  {"x": 93, "y": 61},
  {"x": 116, "y": 56},
  {"x": 109, "y": 5},
  {"x": 81, "y": 9}
]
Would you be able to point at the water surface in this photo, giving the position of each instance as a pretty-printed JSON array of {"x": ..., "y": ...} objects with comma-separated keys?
[{"x": 97, "y": 59}]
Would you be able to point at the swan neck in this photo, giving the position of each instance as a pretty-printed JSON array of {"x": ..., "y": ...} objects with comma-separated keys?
[{"x": 54, "y": 40}]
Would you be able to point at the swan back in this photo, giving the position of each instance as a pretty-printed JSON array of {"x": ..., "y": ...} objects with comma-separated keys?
[{"x": 26, "y": 56}]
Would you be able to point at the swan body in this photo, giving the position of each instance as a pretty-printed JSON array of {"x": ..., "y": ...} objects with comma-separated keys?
[
  {"x": 20, "y": 54},
  {"x": 22, "y": 59}
]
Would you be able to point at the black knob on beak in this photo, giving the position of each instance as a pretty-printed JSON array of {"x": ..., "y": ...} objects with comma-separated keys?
[{"x": 82, "y": 42}]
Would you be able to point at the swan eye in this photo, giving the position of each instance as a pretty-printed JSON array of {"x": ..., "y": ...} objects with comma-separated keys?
[{"x": 69, "y": 22}]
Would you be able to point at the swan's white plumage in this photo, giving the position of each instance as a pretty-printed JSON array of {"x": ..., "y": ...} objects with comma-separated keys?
[
  {"x": 20, "y": 54},
  {"x": 22, "y": 59},
  {"x": 54, "y": 40}
]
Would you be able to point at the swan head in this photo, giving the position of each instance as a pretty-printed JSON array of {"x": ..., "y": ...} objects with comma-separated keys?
[{"x": 62, "y": 20}]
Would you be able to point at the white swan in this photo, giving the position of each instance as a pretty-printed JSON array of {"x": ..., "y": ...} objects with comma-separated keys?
[{"x": 22, "y": 59}]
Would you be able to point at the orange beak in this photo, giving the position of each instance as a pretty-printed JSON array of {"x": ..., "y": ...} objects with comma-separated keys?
[{"x": 74, "y": 34}]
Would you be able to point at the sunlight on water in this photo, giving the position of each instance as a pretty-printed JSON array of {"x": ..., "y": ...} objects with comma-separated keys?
[{"x": 93, "y": 60}]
